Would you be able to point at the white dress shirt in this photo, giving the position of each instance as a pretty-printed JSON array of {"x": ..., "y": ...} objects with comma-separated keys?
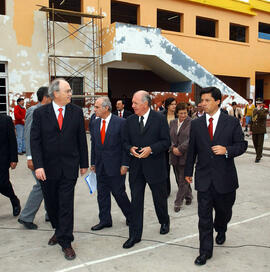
[
  {"x": 107, "y": 120},
  {"x": 145, "y": 117},
  {"x": 56, "y": 107},
  {"x": 215, "y": 120}
]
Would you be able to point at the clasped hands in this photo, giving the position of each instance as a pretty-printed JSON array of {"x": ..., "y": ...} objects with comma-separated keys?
[{"x": 142, "y": 153}]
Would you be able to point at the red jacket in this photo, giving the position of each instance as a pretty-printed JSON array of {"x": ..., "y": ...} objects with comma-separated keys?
[{"x": 19, "y": 114}]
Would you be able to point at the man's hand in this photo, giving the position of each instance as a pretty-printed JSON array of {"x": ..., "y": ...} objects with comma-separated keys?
[
  {"x": 188, "y": 179},
  {"x": 93, "y": 168},
  {"x": 219, "y": 149},
  {"x": 145, "y": 152},
  {"x": 40, "y": 174},
  {"x": 133, "y": 151},
  {"x": 30, "y": 165},
  {"x": 123, "y": 170},
  {"x": 176, "y": 151},
  {"x": 13, "y": 165},
  {"x": 83, "y": 171}
]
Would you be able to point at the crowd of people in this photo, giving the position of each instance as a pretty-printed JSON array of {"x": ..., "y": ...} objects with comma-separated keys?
[{"x": 145, "y": 144}]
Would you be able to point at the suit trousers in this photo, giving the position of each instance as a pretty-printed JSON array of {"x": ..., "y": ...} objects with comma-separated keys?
[
  {"x": 159, "y": 194},
  {"x": 59, "y": 199},
  {"x": 6, "y": 188},
  {"x": 168, "y": 181},
  {"x": 222, "y": 204},
  {"x": 184, "y": 188},
  {"x": 258, "y": 140},
  {"x": 115, "y": 185},
  {"x": 33, "y": 202}
]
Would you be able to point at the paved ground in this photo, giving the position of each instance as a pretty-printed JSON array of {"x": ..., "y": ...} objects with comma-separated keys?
[{"x": 247, "y": 247}]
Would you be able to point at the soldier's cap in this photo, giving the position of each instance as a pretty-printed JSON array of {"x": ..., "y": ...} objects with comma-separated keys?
[{"x": 259, "y": 101}]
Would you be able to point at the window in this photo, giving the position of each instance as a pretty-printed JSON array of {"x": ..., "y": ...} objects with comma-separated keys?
[
  {"x": 123, "y": 13},
  {"x": 71, "y": 5},
  {"x": 3, "y": 88},
  {"x": 238, "y": 33},
  {"x": 206, "y": 27},
  {"x": 169, "y": 20},
  {"x": 76, "y": 85},
  {"x": 2, "y": 7},
  {"x": 264, "y": 31}
]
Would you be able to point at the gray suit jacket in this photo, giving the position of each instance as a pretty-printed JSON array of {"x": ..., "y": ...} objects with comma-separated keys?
[{"x": 27, "y": 127}]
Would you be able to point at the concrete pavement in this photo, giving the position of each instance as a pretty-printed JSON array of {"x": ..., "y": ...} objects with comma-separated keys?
[{"x": 247, "y": 247}]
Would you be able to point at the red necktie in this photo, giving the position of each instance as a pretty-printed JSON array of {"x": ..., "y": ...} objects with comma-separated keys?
[
  {"x": 120, "y": 114},
  {"x": 60, "y": 118},
  {"x": 210, "y": 128},
  {"x": 102, "y": 132}
]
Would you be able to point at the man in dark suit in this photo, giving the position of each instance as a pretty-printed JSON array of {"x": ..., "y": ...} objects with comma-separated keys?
[
  {"x": 147, "y": 138},
  {"x": 8, "y": 159},
  {"x": 109, "y": 161},
  {"x": 120, "y": 109},
  {"x": 59, "y": 149},
  {"x": 215, "y": 139}
]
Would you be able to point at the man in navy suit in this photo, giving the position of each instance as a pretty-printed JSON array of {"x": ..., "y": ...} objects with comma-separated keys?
[
  {"x": 147, "y": 138},
  {"x": 59, "y": 149},
  {"x": 109, "y": 161},
  {"x": 215, "y": 140},
  {"x": 120, "y": 109}
]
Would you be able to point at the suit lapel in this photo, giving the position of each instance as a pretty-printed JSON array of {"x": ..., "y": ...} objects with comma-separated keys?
[
  {"x": 109, "y": 128},
  {"x": 67, "y": 116},
  {"x": 220, "y": 126},
  {"x": 149, "y": 119},
  {"x": 52, "y": 116},
  {"x": 204, "y": 129}
]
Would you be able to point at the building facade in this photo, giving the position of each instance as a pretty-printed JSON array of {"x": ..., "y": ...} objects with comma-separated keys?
[{"x": 162, "y": 46}]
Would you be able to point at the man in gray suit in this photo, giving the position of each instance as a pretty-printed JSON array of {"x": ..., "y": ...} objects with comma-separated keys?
[{"x": 35, "y": 197}]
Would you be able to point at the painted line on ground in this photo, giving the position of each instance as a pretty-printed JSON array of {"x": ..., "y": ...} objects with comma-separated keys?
[{"x": 153, "y": 246}]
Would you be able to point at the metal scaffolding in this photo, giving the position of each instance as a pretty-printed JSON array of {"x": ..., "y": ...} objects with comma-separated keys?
[{"x": 87, "y": 37}]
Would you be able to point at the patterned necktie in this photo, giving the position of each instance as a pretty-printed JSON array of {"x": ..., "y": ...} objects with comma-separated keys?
[
  {"x": 60, "y": 118},
  {"x": 141, "y": 124},
  {"x": 120, "y": 114},
  {"x": 210, "y": 128},
  {"x": 102, "y": 132}
]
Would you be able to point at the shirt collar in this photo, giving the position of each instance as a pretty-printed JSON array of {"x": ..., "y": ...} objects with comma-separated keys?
[
  {"x": 56, "y": 107},
  {"x": 145, "y": 116},
  {"x": 108, "y": 118},
  {"x": 215, "y": 116}
]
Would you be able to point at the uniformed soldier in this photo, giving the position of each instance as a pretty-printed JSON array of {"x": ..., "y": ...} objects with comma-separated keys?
[{"x": 258, "y": 127}]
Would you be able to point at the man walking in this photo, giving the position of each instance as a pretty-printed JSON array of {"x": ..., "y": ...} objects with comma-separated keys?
[
  {"x": 8, "y": 159},
  {"x": 258, "y": 127},
  {"x": 215, "y": 139},
  {"x": 35, "y": 197},
  {"x": 59, "y": 149},
  {"x": 109, "y": 161},
  {"x": 19, "y": 113},
  {"x": 147, "y": 138}
]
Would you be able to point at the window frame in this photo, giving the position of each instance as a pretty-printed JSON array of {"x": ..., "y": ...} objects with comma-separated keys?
[
  {"x": 215, "y": 21},
  {"x": 173, "y": 13},
  {"x": 246, "y": 32}
]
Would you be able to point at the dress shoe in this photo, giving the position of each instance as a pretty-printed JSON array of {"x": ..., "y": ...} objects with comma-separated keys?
[
  {"x": 69, "y": 253},
  {"x": 188, "y": 202},
  {"x": 47, "y": 219},
  {"x": 16, "y": 206},
  {"x": 177, "y": 208},
  {"x": 165, "y": 228},
  {"x": 101, "y": 226},
  {"x": 221, "y": 238},
  {"x": 28, "y": 225},
  {"x": 53, "y": 241},
  {"x": 201, "y": 260},
  {"x": 257, "y": 160},
  {"x": 131, "y": 242}
]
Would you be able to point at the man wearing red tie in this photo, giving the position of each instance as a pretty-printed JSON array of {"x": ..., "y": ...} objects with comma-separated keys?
[
  {"x": 215, "y": 139},
  {"x": 109, "y": 160},
  {"x": 120, "y": 109},
  {"x": 59, "y": 149}
]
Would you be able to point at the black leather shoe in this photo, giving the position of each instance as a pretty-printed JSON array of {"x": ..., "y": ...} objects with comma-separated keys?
[
  {"x": 131, "y": 242},
  {"x": 101, "y": 226},
  {"x": 165, "y": 228},
  {"x": 28, "y": 225},
  {"x": 221, "y": 238},
  {"x": 16, "y": 207},
  {"x": 201, "y": 260},
  {"x": 257, "y": 160}
]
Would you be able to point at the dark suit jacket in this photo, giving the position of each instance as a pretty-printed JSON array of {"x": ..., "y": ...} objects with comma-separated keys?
[
  {"x": 156, "y": 135},
  {"x": 211, "y": 168},
  {"x": 125, "y": 115},
  {"x": 111, "y": 154},
  {"x": 59, "y": 151},
  {"x": 179, "y": 140},
  {"x": 8, "y": 142}
]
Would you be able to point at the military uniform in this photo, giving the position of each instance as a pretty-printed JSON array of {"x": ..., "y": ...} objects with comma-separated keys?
[{"x": 258, "y": 128}]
